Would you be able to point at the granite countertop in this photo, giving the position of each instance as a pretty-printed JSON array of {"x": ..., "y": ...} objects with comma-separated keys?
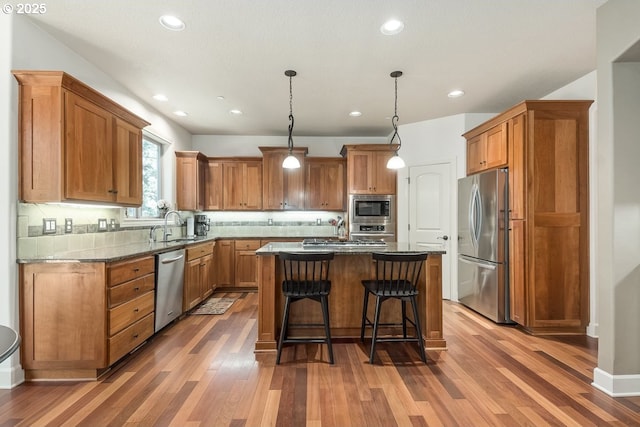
[
  {"x": 115, "y": 253},
  {"x": 273, "y": 248}
]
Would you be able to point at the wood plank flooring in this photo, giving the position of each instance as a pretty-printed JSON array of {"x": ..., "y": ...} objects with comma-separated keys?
[{"x": 202, "y": 371}]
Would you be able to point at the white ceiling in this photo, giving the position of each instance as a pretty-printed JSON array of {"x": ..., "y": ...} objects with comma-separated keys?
[{"x": 498, "y": 51}]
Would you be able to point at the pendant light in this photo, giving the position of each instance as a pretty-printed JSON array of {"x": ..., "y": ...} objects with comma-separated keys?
[
  {"x": 395, "y": 162},
  {"x": 290, "y": 162}
]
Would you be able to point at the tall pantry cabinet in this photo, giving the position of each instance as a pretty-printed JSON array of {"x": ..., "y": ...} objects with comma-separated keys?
[{"x": 548, "y": 161}]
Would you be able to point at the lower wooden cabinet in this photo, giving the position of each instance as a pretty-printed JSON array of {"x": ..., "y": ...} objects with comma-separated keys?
[
  {"x": 236, "y": 263},
  {"x": 77, "y": 319},
  {"x": 198, "y": 283},
  {"x": 246, "y": 263}
]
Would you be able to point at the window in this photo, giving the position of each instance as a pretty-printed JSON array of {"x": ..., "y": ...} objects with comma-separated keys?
[{"x": 151, "y": 180}]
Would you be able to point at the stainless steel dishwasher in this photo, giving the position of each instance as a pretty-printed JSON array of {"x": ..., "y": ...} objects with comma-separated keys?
[{"x": 169, "y": 285}]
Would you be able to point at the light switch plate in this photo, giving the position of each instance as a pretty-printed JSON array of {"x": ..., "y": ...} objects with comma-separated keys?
[
  {"x": 48, "y": 226},
  {"x": 68, "y": 225},
  {"x": 102, "y": 224}
]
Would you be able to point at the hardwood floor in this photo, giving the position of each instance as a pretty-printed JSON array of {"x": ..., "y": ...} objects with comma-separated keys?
[{"x": 202, "y": 371}]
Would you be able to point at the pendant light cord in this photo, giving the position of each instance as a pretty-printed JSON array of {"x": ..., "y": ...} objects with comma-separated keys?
[
  {"x": 394, "y": 119},
  {"x": 290, "y": 141}
]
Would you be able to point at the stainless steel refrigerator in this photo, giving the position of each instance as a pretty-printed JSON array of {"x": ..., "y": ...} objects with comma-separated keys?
[{"x": 483, "y": 276}]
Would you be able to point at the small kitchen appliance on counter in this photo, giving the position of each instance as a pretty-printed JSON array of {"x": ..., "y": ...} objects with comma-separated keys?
[{"x": 202, "y": 225}]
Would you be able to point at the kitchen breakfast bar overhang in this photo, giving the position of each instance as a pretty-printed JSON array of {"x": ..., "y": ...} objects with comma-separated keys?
[{"x": 349, "y": 266}]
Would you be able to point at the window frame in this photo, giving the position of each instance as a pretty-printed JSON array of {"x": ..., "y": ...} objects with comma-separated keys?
[{"x": 127, "y": 221}]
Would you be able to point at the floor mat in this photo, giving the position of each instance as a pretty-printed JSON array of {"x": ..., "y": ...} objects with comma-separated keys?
[{"x": 214, "y": 306}]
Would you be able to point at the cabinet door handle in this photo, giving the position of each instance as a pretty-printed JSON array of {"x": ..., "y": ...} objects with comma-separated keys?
[
  {"x": 135, "y": 310},
  {"x": 135, "y": 270},
  {"x": 136, "y": 289}
]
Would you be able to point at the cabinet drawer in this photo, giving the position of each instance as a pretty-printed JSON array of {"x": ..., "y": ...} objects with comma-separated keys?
[
  {"x": 130, "y": 338},
  {"x": 198, "y": 251},
  {"x": 129, "y": 312},
  {"x": 247, "y": 245},
  {"x": 131, "y": 289},
  {"x": 124, "y": 271}
]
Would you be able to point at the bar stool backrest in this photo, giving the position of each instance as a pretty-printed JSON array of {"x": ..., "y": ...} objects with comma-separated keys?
[
  {"x": 398, "y": 273},
  {"x": 306, "y": 274}
]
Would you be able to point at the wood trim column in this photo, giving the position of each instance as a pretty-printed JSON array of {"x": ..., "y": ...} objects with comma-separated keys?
[
  {"x": 432, "y": 301},
  {"x": 266, "y": 304}
]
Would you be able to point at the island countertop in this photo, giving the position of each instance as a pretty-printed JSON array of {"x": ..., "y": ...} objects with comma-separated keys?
[
  {"x": 273, "y": 248},
  {"x": 349, "y": 267}
]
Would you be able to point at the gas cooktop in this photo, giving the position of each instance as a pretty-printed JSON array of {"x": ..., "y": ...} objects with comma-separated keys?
[{"x": 342, "y": 243}]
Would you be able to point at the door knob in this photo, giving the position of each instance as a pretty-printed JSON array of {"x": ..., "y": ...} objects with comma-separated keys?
[{"x": 445, "y": 237}]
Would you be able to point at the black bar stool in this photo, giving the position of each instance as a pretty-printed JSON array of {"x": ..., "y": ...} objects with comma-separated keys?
[
  {"x": 306, "y": 276},
  {"x": 396, "y": 278}
]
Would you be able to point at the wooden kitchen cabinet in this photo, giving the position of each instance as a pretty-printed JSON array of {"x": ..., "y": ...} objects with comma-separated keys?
[
  {"x": 246, "y": 263},
  {"x": 191, "y": 180},
  {"x": 548, "y": 213},
  {"x": 367, "y": 171},
  {"x": 198, "y": 274},
  {"x": 282, "y": 189},
  {"x": 131, "y": 320},
  {"x": 78, "y": 318},
  {"x": 225, "y": 263},
  {"x": 75, "y": 144},
  {"x": 325, "y": 184},
  {"x": 487, "y": 150},
  {"x": 214, "y": 186},
  {"x": 242, "y": 184}
]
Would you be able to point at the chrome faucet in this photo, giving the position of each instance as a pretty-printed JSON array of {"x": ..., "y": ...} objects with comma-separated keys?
[
  {"x": 166, "y": 234},
  {"x": 152, "y": 233}
]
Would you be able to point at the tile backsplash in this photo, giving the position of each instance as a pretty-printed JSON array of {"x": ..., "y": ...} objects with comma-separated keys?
[{"x": 32, "y": 241}]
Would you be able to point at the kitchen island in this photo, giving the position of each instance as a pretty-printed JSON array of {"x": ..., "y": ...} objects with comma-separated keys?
[{"x": 351, "y": 264}]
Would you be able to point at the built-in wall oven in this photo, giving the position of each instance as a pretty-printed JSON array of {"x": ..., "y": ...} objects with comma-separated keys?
[{"x": 372, "y": 216}]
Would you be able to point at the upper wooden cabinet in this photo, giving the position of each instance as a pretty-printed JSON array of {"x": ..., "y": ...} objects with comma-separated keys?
[
  {"x": 191, "y": 180},
  {"x": 487, "y": 150},
  {"x": 325, "y": 187},
  {"x": 213, "y": 187},
  {"x": 242, "y": 184},
  {"x": 367, "y": 171},
  {"x": 548, "y": 160},
  {"x": 282, "y": 189},
  {"x": 76, "y": 144}
]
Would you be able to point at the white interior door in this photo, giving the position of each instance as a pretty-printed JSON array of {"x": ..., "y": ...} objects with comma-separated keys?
[{"x": 430, "y": 208}]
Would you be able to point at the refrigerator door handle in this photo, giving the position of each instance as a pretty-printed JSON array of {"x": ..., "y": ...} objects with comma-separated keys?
[
  {"x": 475, "y": 215},
  {"x": 483, "y": 264}
]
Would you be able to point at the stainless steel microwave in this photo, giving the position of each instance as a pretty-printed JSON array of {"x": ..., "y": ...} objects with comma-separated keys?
[{"x": 372, "y": 209}]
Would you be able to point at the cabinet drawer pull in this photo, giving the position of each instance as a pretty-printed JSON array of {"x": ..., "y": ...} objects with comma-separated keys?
[
  {"x": 135, "y": 335},
  {"x": 135, "y": 310},
  {"x": 135, "y": 270},
  {"x": 136, "y": 289}
]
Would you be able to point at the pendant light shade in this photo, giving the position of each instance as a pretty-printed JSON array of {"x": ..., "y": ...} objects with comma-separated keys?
[
  {"x": 396, "y": 161},
  {"x": 290, "y": 162}
]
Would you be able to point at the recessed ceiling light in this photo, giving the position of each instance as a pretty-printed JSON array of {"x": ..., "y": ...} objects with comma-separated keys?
[
  {"x": 220, "y": 98},
  {"x": 180, "y": 113},
  {"x": 391, "y": 27},
  {"x": 455, "y": 93},
  {"x": 355, "y": 114},
  {"x": 160, "y": 97},
  {"x": 235, "y": 112},
  {"x": 172, "y": 23}
]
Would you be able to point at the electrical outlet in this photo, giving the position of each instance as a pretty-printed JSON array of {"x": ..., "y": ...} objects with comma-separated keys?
[
  {"x": 318, "y": 221},
  {"x": 68, "y": 225},
  {"x": 48, "y": 226},
  {"x": 113, "y": 224},
  {"x": 270, "y": 221},
  {"x": 102, "y": 224}
]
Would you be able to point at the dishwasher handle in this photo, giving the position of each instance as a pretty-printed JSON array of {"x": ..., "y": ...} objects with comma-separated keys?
[{"x": 170, "y": 260}]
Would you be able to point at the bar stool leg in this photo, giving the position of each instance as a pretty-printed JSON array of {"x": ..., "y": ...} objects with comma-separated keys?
[
  {"x": 327, "y": 330},
  {"x": 404, "y": 319},
  {"x": 284, "y": 328},
  {"x": 416, "y": 319},
  {"x": 365, "y": 306},
  {"x": 375, "y": 329}
]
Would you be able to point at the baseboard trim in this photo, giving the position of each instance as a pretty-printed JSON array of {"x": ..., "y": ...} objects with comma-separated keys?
[
  {"x": 11, "y": 376},
  {"x": 616, "y": 385}
]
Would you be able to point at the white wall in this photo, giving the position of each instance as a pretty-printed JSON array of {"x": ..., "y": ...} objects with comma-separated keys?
[
  {"x": 247, "y": 145},
  {"x": 10, "y": 371},
  {"x": 618, "y": 253}
]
